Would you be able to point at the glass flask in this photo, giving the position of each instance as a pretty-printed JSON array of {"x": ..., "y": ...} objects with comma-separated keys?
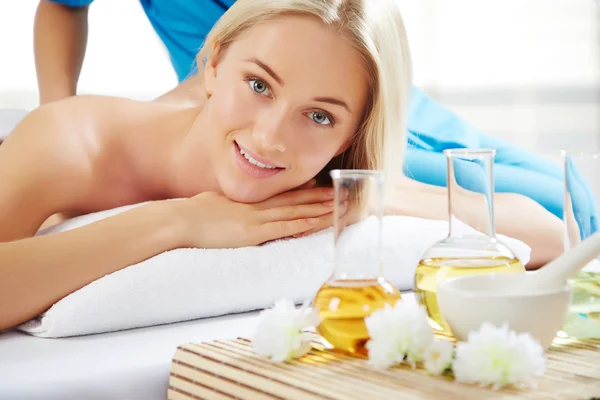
[
  {"x": 356, "y": 287},
  {"x": 582, "y": 205},
  {"x": 471, "y": 246}
]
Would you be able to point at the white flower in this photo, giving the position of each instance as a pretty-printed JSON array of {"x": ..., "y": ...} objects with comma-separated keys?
[
  {"x": 279, "y": 332},
  {"x": 397, "y": 332},
  {"x": 438, "y": 356},
  {"x": 499, "y": 357}
]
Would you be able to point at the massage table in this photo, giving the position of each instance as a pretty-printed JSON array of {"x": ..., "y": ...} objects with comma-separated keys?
[{"x": 132, "y": 364}]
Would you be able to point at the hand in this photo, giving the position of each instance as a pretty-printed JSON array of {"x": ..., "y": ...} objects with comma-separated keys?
[
  {"x": 210, "y": 220},
  {"x": 303, "y": 194},
  {"x": 348, "y": 213}
]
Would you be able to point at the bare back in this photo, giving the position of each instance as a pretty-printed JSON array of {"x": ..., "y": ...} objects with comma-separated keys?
[{"x": 79, "y": 155}]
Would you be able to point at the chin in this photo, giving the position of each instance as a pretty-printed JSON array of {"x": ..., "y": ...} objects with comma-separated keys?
[
  {"x": 246, "y": 193},
  {"x": 239, "y": 185}
]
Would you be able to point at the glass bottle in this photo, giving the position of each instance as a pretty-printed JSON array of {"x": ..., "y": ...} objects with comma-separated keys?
[
  {"x": 471, "y": 246},
  {"x": 356, "y": 287},
  {"x": 581, "y": 219}
]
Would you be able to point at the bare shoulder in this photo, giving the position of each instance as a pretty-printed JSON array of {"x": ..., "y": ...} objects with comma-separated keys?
[
  {"x": 48, "y": 162},
  {"x": 69, "y": 132},
  {"x": 71, "y": 120}
]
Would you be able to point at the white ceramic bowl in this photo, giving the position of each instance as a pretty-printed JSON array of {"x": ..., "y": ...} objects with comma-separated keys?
[{"x": 467, "y": 302}]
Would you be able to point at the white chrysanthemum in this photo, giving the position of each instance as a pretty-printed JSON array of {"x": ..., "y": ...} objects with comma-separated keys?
[
  {"x": 498, "y": 357},
  {"x": 397, "y": 332},
  {"x": 279, "y": 332},
  {"x": 438, "y": 356}
]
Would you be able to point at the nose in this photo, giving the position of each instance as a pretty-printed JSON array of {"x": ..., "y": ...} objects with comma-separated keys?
[{"x": 269, "y": 128}]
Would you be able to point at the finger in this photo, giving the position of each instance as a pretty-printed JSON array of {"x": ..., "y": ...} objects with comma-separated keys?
[
  {"x": 297, "y": 197},
  {"x": 326, "y": 221},
  {"x": 291, "y": 212},
  {"x": 352, "y": 215},
  {"x": 282, "y": 229}
]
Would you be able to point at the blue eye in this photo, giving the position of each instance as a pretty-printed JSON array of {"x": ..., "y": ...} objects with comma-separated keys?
[
  {"x": 259, "y": 86},
  {"x": 320, "y": 118}
]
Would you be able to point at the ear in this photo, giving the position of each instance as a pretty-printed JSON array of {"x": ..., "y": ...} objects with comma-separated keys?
[{"x": 210, "y": 70}]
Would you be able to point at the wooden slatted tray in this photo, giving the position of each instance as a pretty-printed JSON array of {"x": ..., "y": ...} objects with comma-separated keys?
[{"x": 228, "y": 369}]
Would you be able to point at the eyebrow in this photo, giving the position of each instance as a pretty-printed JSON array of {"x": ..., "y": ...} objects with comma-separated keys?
[
  {"x": 267, "y": 69},
  {"x": 274, "y": 75},
  {"x": 332, "y": 100}
]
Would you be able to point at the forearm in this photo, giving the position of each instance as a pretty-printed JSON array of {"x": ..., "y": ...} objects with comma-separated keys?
[
  {"x": 37, "y": 272},
  {"x": 515, "y": 216},
  {"x": 522, "y": 218},
  {"x": 60, "y": 39}
]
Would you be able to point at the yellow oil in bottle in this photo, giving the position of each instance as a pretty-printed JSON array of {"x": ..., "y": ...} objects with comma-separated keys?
[
  {"x": 343, "y": 306},
  {"x": 583, "y": 319},
  {"x": 431, "y": 271}
]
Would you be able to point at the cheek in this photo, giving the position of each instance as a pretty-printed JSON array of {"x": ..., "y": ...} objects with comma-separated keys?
[
  {"x": 314, "y": 155},
  {"x": 230, "y": 108}
]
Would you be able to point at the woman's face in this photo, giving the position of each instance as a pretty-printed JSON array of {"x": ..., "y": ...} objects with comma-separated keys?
[{"x": 286, "y": 97}]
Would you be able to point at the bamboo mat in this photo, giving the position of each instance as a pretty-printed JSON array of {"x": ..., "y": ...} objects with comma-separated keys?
[{"x": 228, "y": 369}]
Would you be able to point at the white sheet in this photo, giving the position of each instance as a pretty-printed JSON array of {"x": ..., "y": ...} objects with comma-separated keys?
[{"x": 126, "y": 365}]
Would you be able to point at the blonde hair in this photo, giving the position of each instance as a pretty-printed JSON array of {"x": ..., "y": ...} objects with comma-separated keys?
[{"x": 376, "y": 30}]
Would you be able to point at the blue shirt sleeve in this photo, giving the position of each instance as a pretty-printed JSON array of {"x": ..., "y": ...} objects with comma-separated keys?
[{"x": 73, "y": 3}]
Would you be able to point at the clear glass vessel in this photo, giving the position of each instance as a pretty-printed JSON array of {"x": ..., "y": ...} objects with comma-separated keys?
[
  {"x": 582, "y": 205},
  {"x": 356, "y": 287},
  {"x": 471, "y": 246}
]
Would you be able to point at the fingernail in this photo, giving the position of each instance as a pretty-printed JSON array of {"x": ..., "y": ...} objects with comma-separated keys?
[
  {"x": 328, "y": 203},
  {"x": 313, "y": 221},
  {"x": 330, "y": 192}
]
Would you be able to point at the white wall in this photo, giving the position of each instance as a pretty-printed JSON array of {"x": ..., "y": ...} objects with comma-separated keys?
[
  {"x": 474, "y": 43},
  {"x": 526, "y": 70},
  {"x": 124, "y": 54}
]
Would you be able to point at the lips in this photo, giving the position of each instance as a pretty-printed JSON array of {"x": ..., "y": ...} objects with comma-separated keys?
[{"x": 254, "y": 165}]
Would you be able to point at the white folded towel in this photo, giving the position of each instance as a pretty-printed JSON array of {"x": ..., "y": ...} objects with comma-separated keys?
[{"x": 187, "y": 284}]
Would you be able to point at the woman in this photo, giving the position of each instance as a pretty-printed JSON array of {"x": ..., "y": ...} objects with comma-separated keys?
[
  {"x": 61, "y": 32},
  {"x": 278, "y": 109}
]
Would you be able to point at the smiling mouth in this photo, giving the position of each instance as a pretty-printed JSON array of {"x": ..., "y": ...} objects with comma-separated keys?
[{"x": 254, "y": 161}]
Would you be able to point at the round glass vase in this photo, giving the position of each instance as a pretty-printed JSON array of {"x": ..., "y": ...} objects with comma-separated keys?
[
  {"x": 356, "y": 288},
  {"x": 471, "y": 246}
]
